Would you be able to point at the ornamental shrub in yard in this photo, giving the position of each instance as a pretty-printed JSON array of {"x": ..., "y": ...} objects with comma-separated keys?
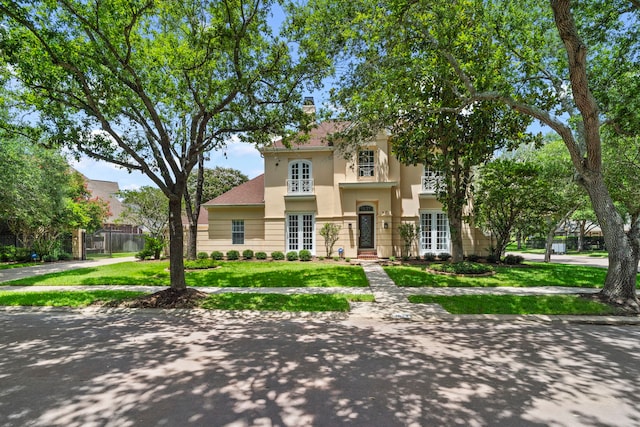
[
  {"x": 261, "y": 255},
  {"x": 233, "y": 255},
  {"x": 217, "y": 255},
  {"x": 277, "y": 256},
  {"x": 305, "y": 255},
  {"x": 292, "y": 256},
  {"x": 202, "y": 255},
  {"x": 247, "y": 254}
]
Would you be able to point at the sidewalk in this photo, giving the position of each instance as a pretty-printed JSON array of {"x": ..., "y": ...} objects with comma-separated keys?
[{"x": 56, "y": 267}]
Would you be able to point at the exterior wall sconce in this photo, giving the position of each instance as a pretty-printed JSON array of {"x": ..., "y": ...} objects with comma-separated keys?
[
  {"x": 385, "y": 225},
  {"x": 350, "y": 226}
]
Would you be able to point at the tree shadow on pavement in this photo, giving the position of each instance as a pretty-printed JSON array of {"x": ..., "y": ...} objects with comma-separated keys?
[{"x": 143, "y": 369}]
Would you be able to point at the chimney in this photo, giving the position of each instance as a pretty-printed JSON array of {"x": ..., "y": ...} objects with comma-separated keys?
[{"x": 308, "y": 106}]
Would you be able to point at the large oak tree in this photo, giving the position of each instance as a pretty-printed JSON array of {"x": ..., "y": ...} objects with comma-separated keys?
[{"x": 150, "y": 85}]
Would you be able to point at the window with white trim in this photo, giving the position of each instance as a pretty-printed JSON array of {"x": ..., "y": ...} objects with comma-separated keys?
[
  {"x": 431, "y": 181},
  {"x": 300, "y": 232},
  {"x": 237, "y": 232},
  {"x": 434, "y": 232},
  {"x": 366, "y": 163},
  {"x": 299, "y": 178}
]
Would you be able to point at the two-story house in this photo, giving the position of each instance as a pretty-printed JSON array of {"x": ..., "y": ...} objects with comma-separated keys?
[{"x": 311, "y": 184}]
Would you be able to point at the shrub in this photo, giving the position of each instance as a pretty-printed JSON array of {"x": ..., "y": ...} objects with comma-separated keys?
[
  {"x": 292, "y": 256},
  {"x": 321, "y": 258},
  {"x": 202, "y": 255},
  {"x": 50, "y": 258},
  {"x": 405, "y": 257},
  {"x": 464, "y": 267},
  {"x": 261, "y": 255},
  {"x": 154, "y": 244},
  {"x": 492, "y": 259},
  {"x": 429, "y": 256},
  {"x": 233, "y": 255},
  {"x": 144, "y": 254},
  {"x": 23, "y": 255},
  {"x": 64, "y": 256},
  {"x": 347, "y": 259},
  {"x": 444, "y": 256},
  {"x": 336, "y": 258},
  {"x": 513, "y": 259},
  {"x": 277, "y": 256},
  {"x": 247, "y": 254},
  {"x": 217, "y": 255},
  {"x": 7, "y": 253},
  {"x": 392, "y": 258},
  {"x": 473, "y": 257},
  {"x": 200, "y": 263},
  {"x": 305, "y": 255}
]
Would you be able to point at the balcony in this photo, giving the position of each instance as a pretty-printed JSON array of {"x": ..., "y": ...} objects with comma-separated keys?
[
  {"x": 430, "y": 183},
  {"x": 299, "y": 186}
]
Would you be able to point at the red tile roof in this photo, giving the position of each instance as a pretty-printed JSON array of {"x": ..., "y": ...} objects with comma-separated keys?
[
  {"x": 249, "y": 193},
  {"x": 317, "y": 137}
]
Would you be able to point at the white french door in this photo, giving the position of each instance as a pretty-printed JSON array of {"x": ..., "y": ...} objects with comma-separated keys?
[{"x": 434, "y": 232}]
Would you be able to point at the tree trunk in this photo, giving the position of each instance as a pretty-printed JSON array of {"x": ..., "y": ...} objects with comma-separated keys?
[
  {"x": 192, "y": 237},
  {"x": 192, "y": 208},
  {"x": 548, "y": 246},
  {"x": 581, "y": 232},
  {"x": 455, "y": 229},
  {"x": 176, "y": 244},
  {"x": 519, "y": 240},
  {"x": 620, "y": 282}
]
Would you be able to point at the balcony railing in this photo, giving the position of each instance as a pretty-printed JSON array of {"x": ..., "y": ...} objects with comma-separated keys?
[
  {"x": 431, "y": 183},
  {"x": 300, "y": 186}
]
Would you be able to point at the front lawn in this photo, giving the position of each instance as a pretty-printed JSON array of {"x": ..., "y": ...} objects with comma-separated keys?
[
  {"x": 516, "y": 304},
  {"x": 279, "y": 302},
  {"x": 528, "y": 275},
  {"x": 63, "y": 298},
  {"x": 229, "y": 274}
]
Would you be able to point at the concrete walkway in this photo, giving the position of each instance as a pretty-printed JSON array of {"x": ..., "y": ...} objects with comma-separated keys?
[{"x": 56, "y": 267}]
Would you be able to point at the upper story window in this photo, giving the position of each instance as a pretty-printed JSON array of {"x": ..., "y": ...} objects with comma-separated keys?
[
  {"x": 299, "y": 180},
  {"x": 366, "y": 163},
  {"x": 431, "y": 181}
]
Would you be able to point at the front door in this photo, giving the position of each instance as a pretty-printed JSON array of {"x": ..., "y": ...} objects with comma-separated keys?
[{"x": 366, "y": 228}]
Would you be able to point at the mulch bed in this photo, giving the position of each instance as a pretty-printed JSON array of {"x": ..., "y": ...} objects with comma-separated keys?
[{"x": 167, "y": 298}]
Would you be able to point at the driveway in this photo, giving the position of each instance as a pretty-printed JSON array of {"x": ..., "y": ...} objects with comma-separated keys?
[
  {"x": 161, "y": 369},
  {"x": 55, "y": 267},
  {"x": 568, "y": 259}
]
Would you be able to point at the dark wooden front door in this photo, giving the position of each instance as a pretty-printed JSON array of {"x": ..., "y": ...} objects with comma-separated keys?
[{"x": 366, "y": 228}]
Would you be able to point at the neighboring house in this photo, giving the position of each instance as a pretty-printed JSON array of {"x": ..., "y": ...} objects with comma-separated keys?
[
  {"x": 107, "y": 191},
  {"x": 311, "y": 184}
]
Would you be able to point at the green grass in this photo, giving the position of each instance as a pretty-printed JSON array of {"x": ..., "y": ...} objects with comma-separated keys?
[
  {"x": 229, "y": 274},
  {"x": 279, "y": 302},
  {"x": 532, "y": 274},
  {"x": 10, "y": 265},
  {"x": 516, "y": 304},
  {"x": 113, "y": 255},
  {"x": 63, "y": 298}
]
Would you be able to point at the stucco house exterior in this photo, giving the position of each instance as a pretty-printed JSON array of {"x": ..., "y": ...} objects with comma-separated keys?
[{"x": 311, "y": 184}]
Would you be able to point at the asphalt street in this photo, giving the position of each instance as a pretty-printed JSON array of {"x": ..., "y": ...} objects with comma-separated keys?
[{"x": 139, "y": 368}]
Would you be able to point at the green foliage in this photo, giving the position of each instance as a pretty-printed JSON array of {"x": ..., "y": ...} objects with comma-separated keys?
[
  {"x": 409, "y": 234},
  {"x": 261, "y": 255},
  {"x": 147, "y": 207},
  {"x": 202, "y": 255},
  {"x": 233, "y": 255},
  {"x": 429, "y": 256},
  {"x": 154, "y": 245},
  {"x": 513, "y": 259},
  {"x": 336, "y": 258},
  {"x": 247, "y": 254},
  {"x": 7, "y": 253},
  {"x": 277, "y": 256},
  {"x": 509, "y": 193},
  {"x": 473, "y": 257},
  {"x": 217, "y": 255},
  {"x": 215, "y": 182},
  {"x": 464, "y": 267},
  {"x": 331, "y": 234},
  {"x": 305, "y": 255},
  {"x": 292, "y": 256},
  {"x": 444, "y": 256},
  {"x": 144, "y": 254}
]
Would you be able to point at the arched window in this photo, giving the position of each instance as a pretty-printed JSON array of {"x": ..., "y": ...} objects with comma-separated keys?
[
  {"x": 299, "y": 180},
  {"x": 365, "y": 208}
]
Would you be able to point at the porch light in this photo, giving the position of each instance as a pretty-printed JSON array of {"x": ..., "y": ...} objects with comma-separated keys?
[
  {"x": 386, "y": 225},
  {"x": 350, "y": 226}
]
